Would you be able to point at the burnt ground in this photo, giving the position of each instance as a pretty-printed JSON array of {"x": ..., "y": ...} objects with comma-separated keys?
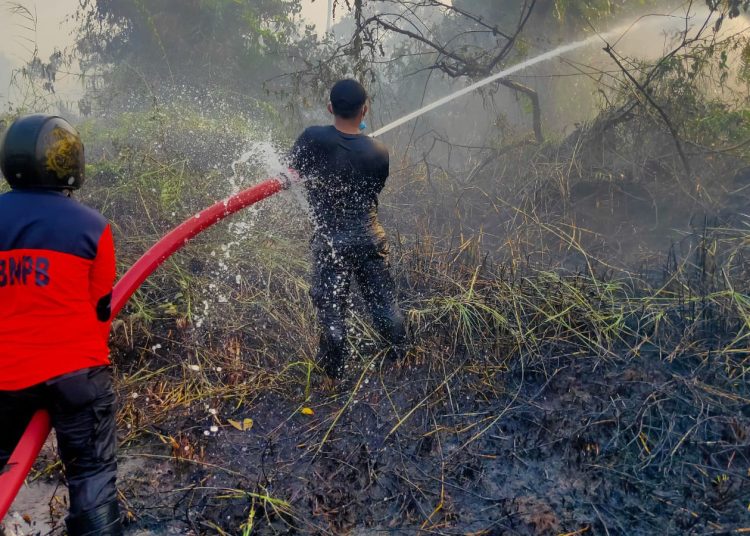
[{"x": 565, "y": 445}]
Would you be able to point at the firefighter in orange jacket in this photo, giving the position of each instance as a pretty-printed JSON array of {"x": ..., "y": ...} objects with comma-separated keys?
[{"x": 57, "y": 268}]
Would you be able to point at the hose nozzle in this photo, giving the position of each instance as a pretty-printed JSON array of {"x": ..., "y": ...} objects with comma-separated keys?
[{"x": 289, "y": 178}]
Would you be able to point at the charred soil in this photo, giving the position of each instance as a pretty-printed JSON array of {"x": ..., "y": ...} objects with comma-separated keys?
[{"x": 568, "y": 444}]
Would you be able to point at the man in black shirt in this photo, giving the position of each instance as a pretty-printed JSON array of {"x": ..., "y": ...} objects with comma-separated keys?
[{"x": 345, "y": 171}]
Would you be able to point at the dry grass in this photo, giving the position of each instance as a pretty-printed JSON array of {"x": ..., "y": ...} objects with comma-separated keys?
[{"x": 546, "y": 355}]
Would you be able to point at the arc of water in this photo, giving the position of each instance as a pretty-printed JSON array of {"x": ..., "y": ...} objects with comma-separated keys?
[{"x": 497, "y": 76}]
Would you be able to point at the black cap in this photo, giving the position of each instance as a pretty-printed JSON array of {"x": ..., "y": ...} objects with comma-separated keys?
[{"x": 347, "y": 97}]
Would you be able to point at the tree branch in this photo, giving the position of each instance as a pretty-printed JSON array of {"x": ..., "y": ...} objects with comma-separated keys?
[
  {"x": 536, "y": 109},
  {"x": 659, "y": 109}
]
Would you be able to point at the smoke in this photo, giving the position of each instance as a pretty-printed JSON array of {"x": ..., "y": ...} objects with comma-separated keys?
[
  {"x": 600, "y": 190},
  {"x": 569, "y": 88},
  {"x": 5, "y": 77}
]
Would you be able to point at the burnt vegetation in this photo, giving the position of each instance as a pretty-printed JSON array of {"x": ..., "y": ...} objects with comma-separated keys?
[{"x": 572, "y": 263}]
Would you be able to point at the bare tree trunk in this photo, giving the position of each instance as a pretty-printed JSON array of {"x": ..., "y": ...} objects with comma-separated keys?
[{"x": 358, "y": 47}]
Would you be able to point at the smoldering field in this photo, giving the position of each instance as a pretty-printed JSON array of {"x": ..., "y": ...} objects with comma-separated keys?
[{"x": 578, "y": 314}]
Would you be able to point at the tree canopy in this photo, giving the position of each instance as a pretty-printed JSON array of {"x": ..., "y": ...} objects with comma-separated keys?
[{"x": 229, "y": 43}]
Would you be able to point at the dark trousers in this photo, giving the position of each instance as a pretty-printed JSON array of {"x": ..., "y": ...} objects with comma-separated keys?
[
  {"x": 82, "y": 408},
  {"x": 333, "y": 270}
]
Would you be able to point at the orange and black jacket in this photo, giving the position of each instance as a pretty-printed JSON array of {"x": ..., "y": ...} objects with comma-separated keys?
[{"x": 57, "y": 268}]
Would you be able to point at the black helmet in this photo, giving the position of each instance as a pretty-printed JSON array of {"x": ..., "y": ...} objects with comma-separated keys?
[{"x": 42, "y": 151}]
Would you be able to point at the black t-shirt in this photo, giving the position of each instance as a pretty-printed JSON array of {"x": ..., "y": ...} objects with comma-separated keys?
[{"x": 344, "y": 174}]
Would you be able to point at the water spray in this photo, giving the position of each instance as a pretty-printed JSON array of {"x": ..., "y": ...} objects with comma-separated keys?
[
  {"x": 19, "y": 465},
  {"x": 494, "y": 78}
]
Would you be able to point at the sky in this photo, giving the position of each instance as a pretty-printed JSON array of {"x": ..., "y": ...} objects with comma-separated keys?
[{"x": 53, "y": 30}]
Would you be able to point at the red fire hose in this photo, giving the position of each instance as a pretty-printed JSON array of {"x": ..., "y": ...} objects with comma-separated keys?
[{"x": 36, "y": 433}]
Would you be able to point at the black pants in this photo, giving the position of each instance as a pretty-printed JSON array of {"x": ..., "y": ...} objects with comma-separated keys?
[
  {"x": 82, "y": 408},
  {"x": 333, "y": 270}
]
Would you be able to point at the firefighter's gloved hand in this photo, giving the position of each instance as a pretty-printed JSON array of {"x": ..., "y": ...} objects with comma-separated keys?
[{"x": 290, "y": 178}]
